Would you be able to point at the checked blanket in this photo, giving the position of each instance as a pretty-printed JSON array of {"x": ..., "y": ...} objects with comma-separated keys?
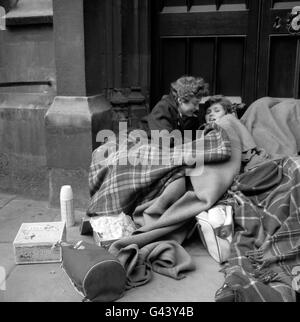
[
  {"x": 163, "y": 199},
  {"x": 133, "y": 174},
  {"x": 265, "y": 253}
]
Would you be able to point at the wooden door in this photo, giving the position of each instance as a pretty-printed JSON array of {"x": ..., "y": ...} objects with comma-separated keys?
[
  {"x": 215, "y": 39},
  {"x": 279, "y": 65}
]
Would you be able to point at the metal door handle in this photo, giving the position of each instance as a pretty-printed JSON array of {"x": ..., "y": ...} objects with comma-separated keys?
[{"x": 277, "y": 23}]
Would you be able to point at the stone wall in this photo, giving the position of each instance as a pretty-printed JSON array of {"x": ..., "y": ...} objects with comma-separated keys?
[
  {"x": 27, "y": 62},
  {"x": 27, "y": 90},
  {"x": 22, "y": 144}
]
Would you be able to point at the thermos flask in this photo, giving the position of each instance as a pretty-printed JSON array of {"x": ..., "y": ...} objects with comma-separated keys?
[{"x": 66, "y": 206}]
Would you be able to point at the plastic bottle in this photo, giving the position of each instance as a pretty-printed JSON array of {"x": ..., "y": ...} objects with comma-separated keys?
[{"x": 66, "y": 206}]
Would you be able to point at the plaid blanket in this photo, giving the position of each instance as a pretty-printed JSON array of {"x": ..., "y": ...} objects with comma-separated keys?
[
  {"x": 265, "y": 253},
  {"x": 133, "y": 174}
]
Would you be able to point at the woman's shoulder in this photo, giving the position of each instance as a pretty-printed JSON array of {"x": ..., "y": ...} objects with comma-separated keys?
[
  {"x": 164, "y": 116},
  {"x": 166, "y": 106},
  {"x": 166, "y": 102}
]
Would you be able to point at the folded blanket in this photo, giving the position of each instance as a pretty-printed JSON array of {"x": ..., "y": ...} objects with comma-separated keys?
[
  {"x": 167, "y": 258},
  {"x": 275, "y": 125},
  {"x": 217, "y": 178},
  {"x": 237, "y": 132}
]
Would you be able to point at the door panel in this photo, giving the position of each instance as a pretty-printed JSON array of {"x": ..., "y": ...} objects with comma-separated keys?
[
  {"x": 197, "y": 23},
  {"x": 175, "y": 48},
  {"x": 202, "y": 58},
  {"x": 282, "y": 66},
  {"x": 230, "y": 68},
  {"x": 279, "y": 65},
  {"x": 215, "y": 39}
]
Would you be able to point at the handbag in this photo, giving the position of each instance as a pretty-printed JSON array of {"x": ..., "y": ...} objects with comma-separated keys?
[
  {"x": 216, "y": 228},
  {"x": 95, "y": 273}
]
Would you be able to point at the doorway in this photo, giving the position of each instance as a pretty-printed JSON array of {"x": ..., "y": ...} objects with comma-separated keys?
[{"x": 242, "y": 48}]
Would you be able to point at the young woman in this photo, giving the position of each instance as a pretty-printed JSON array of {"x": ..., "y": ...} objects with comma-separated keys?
[{"x": 217, "y": 107}]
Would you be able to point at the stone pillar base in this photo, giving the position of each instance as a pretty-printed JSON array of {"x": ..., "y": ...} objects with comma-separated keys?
[
  {"x": 23, "y": 168},
  {"x": 72, "y": 124}
]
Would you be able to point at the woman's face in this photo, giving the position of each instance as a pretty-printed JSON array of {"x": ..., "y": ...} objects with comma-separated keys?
[
  {"x": 189, "y": 108},
  {"x": 214, "y": 113}
]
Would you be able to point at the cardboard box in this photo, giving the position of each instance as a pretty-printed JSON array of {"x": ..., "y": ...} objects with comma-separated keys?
[
  {"x": 38, "y": 242},
  {"x": 101, "y": 242}
]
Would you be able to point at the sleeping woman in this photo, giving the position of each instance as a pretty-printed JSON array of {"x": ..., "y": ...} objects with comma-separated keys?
[{"x": 221, "y": 110}]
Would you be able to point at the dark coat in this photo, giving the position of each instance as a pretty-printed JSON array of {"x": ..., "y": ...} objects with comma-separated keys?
[{"x": 165, "y": 116}]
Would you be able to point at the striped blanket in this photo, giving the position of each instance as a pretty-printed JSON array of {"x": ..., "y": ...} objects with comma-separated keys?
[
  {"x": 117, "y": 185},
  {"x": 265, "y": 254}
]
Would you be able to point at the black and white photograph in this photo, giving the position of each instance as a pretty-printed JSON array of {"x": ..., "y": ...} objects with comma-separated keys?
[{"x": 149, "y": 153}]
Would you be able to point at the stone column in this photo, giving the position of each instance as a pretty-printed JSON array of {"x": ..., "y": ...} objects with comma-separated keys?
[{"x": 80, "y": 110}]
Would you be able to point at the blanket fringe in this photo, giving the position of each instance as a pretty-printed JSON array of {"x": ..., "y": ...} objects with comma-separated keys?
[
  {"x": 261, "y": 273},
  {"x": 265, "y": 275},
  {"x": 255, "y": 256}
]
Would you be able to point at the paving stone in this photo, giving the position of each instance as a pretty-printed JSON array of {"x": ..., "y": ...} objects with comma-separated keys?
[
  {"x": 5, "y": 199},
  {"x": 199, "y": 285},
  {"x": 39, "y": 283},
  {"x": 73, "y": 233},
  {"x": 195, "y": 247},
  {"x": 19, "y": 211}
]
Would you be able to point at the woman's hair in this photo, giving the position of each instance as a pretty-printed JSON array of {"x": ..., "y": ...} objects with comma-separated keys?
[
  {"x": 188, "y": 87},
  {"x": 222, "y": 100}
]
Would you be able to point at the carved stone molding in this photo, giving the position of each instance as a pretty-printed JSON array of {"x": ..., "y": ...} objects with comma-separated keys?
[{"x": 8, "y": 4}]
